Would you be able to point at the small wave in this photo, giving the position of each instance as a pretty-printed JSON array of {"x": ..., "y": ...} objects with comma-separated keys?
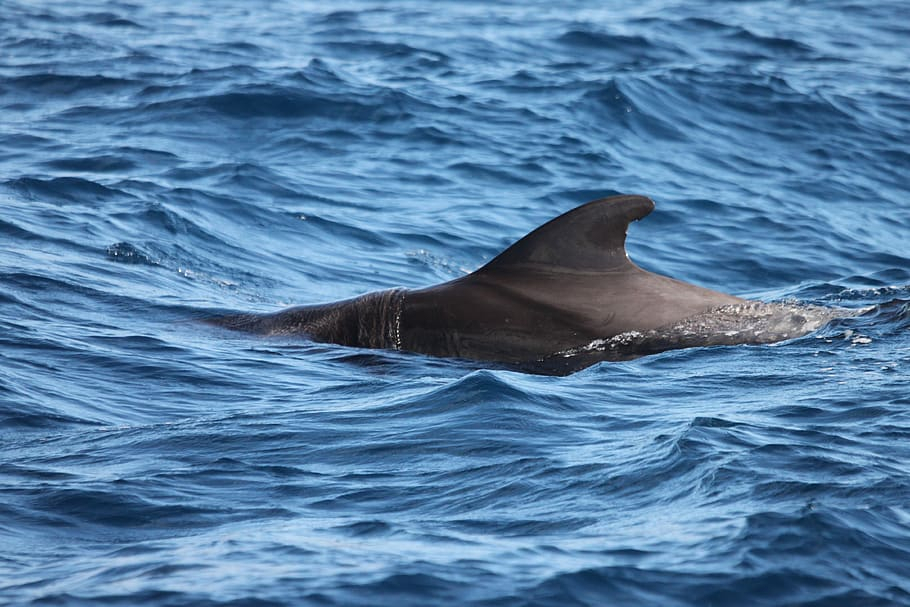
[
  {"x": 12, "y": 230},
  {"x": 769, "y": 46},
  {"x": 65, "y": 190},
  {"x": 30, "y": 415},
  {"x": 116, "y": 507},
  {"x": 271, "y": 101},
  {"x": 52, "y": 47},
  {"x": 628, "y": 105},
  {"x": 365, "y": 529},
  {"x": 397, "y": 51},
  {"x": 105, "y": 163},
  {"x": 499, "y": 173},
  {"x": 338, "y": 17},
  {"x": 66, "y": 84},
  {"x": 124, "y": 252},
  {"x": 239, "y": 49},
  {"x": 634, "y": 49},
  {"x": 332, "y": 229},
  {"x": 109, "y": 20},
  {"x": 458, "y": 396}
]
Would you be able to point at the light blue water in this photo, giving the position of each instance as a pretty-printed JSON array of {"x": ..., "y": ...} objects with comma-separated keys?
[{"x": 159, "y": 161}]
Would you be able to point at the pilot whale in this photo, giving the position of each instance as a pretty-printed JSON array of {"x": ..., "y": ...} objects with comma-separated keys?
[{"x": 560, "y": 299}]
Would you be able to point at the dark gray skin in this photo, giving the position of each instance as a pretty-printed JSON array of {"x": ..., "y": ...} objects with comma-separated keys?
[{"x": 560, "y": 299}]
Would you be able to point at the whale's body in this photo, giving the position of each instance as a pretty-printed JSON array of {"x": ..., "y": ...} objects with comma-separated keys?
[{"x": 560, "y": 299}]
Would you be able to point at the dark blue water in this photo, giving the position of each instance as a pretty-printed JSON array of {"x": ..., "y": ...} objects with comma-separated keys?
[{"x": 163, "y": 160}]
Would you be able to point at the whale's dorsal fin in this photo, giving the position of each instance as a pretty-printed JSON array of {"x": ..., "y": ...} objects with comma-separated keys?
[{"x": 590, "y": 238}]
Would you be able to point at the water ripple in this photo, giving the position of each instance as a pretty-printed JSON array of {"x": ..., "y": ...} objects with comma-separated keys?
[{"x": 163, "y": 163}]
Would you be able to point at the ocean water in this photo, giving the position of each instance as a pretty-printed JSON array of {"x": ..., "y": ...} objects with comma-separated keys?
[{"x": 161, "y": 162}]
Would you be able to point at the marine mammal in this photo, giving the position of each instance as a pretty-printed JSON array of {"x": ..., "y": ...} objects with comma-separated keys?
[{"x": 560, "y": 299}]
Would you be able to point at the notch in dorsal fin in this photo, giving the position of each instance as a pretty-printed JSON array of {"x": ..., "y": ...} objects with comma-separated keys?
[{"x": 590, "y": 238}]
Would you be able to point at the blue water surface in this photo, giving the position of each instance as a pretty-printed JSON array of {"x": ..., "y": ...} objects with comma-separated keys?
[{"x": 161, "y": 161}]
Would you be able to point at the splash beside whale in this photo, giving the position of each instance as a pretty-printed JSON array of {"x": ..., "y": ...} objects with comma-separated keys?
[{"x": 562, "y": 298}]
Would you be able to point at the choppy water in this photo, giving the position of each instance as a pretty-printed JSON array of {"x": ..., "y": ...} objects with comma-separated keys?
[{"x": 159, "y": 161}]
